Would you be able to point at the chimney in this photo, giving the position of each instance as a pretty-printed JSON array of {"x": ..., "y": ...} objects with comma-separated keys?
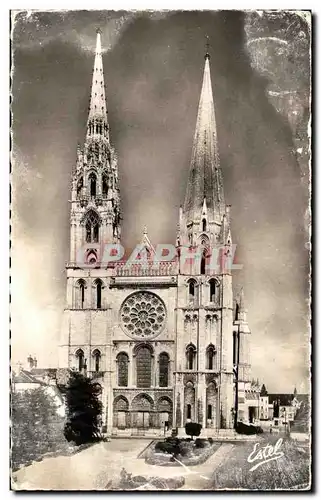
[
  {"x": 35, "y": 362},
  {"x": 30, "y": 362}
]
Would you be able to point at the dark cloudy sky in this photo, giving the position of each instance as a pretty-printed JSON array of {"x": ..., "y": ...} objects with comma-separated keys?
[{"x": 153, "y": 66}]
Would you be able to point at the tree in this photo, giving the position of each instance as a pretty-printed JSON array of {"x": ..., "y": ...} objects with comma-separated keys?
[
  {"x": 36, "y": 426},
  {"x": 193, "y": 429},
  {"x": 84, "y": 409}
]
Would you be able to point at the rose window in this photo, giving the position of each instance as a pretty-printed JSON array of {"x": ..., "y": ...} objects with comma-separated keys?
[{"x": 143, "y": 315}]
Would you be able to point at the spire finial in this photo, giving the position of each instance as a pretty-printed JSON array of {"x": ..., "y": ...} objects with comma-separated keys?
[
  {"x": 207, "y": 47},
  {"x": 98, "y": 31},
  {"x": 145, "y": 230}
]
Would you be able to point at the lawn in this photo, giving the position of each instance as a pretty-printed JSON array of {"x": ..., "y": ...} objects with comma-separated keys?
[{"x": 290, "y": 471}]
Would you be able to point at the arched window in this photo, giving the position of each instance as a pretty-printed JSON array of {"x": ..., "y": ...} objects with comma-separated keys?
[
  {"x": 190, "y": 356},
  {"x": 204, "y": 225},
  {"x": 92, "y": 184},
  {"x": 235, "y": 348},
  {"x": 203, "y": 262},
  {"x": 80, "y": 359},
  {"x": 144, "y": 367},
  {"x": 92, "y": 227},
  {"x": 80, "y": 294},
  {"x": 192, "y": 291},
  {"x": 99, "y": 287},
  {"x": 212, "y": 285},
  {"x": 163, "y": 369},
  {"x": 122, "y": 369},
  {"x": 80, "y": 186},
  {"x": 189, "y": 411},
  {"x": 210, "y": 357},
  {"x": 97, "y": 359},
  {"x": 105, "y": 185}
]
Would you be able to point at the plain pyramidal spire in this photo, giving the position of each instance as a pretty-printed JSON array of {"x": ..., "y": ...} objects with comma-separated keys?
[
  {"x": 205, "y": 177},
  {"x": 97, "y": 118}
]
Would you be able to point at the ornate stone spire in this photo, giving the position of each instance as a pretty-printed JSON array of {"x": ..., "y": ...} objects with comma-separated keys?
[
  {"x": 205, "y": 177},
  {"x": 97, "y": 124}
]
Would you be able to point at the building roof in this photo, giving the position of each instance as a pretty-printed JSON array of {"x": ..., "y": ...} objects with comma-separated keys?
[
  {"x": 25, "y": 377},
  {"x": 205, "y": 176},
  {"x": 283, "y": 399},
  {"x": 51, "y": 372}
]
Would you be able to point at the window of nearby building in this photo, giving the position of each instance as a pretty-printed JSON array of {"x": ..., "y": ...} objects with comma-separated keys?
[
  {"x": 209, "y": 412},
  {"x": 189, "y": 411}
]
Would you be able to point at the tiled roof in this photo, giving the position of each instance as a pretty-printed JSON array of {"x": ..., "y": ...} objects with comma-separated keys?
[
  {"x": 24, "y": 377},
  {"x": 283, "y": 399}
]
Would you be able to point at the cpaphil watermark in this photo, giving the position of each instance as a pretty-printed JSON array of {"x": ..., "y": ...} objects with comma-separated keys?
[{"x": 216, "y": 260}]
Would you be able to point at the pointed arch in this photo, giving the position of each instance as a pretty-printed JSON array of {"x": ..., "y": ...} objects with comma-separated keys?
[
  {"x": 143, "y": 355},
  {"x": 121, "y": 403},
  {"x": 97, "y": 360},
  {"x": 142, "y": 402},
  {"x": 98, "y": 285},
  {"x": 212, "y": 289},
  {"x": 80, "y": 357},
  {"x": 203, "y": 262},
  {"x": 211, "y": 405},
  {"x": 92, "y": 223},
  {"x": 92, "y": 181},
  {"x": 163, "y": 362},
  {"x": 80, "y": 294},
  {"x": 104, "y": 184},
  {"x": 190, "y": 357},
  {"x": 122, "y": 361},
  {"x": 189, "y": 401},
  {"x": 192, "y": 286},
  {"x": 211, "y": 357}
]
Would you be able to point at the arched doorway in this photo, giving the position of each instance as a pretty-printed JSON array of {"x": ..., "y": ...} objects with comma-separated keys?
[
  {"x": 164, "y": 411},
  {"x": 211, "y": 406},
  {"x": 142, "y": 407},
  {"x": 189, "y": 402},
  {"x": 121, "y": 414}
]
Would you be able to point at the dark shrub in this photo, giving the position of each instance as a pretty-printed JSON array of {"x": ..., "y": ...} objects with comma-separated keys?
[
  {"x": 165, "y": 447},
  {"x": 210, "y": 440},
  {"x": 200, "y": 443},
  {"x": 193, "y": 429},
  {"x": 184, "y": 448},
  {"x": 242, "y": 428}
]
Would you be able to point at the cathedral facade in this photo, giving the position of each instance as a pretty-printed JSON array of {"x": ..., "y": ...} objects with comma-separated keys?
[{"x": 167, "y": 341}]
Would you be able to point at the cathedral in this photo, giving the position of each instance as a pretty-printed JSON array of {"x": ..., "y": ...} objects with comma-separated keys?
[{"x": 168, "y": 343}]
